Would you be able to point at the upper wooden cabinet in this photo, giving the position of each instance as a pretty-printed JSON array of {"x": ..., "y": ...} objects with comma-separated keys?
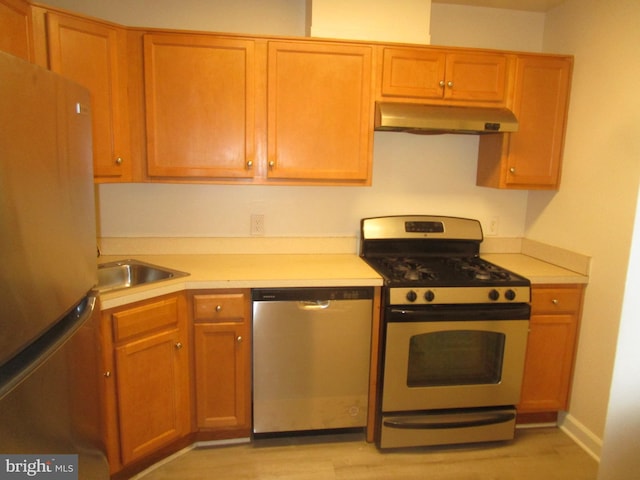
[
  {"x": 200, "y": 99},
  {"x": 428, "y": 75},
  {"x": 256, "y": 110},
  {"x": 320, "y": 112},
  {"x": 174, "y": 106},
  {"x": 16, "y": 27},
  {"x": 94, "y": 55},
  {"x": 531, "y": 158}
]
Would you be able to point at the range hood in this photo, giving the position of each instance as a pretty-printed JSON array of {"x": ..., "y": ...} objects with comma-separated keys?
[{"x": 433, "y": 119}]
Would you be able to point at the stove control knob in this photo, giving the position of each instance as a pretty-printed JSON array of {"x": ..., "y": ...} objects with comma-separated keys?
[
  {"x": 429, "y": 296},
  {"x": 412, "y": 296},
  {"x": 510, "y": 295},
  {"x": 494, "y": 295}
]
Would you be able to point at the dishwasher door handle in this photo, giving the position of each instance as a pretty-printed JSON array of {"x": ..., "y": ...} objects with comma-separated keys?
[{"x": 314, "y": 304}]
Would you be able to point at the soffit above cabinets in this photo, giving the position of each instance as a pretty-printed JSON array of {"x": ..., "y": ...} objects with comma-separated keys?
[
  {"x": 527, "y": 5},
  {"x": 405, "y": 21}
]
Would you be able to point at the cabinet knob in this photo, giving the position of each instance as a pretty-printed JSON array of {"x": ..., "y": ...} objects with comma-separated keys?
[
  {"x": 107, "y": 374},
  {"x": 239, "y": 339},
  {"x": 512, "y": 170},
  {"x": 178, "y": 345},
  {"x": 555, "y": 301},
  {"x": 272, "y": 164},
  {"x": 218, "y": 308},
  {"x": 450, "y": 84},
  {"x": 250, "y": 164},
  {"x": 119, "y": 161},
  {"x": 441, "y": 83}
]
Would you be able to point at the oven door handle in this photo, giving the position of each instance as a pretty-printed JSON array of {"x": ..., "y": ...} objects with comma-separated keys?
[{"x": 447, "y": 421}]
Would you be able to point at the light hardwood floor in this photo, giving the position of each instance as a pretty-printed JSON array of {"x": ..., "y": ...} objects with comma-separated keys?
[{"x": 541, "y": 453}]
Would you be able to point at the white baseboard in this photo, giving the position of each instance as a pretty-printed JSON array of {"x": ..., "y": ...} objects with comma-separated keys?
[{"x": 580, "y": 434}]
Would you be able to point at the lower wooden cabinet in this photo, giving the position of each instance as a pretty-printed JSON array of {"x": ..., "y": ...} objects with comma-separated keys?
[
  {"x": 147, "y": 371},
  {"x": 555, "y": 315},
  {"x": 150, "y": 356},
  {"x": 222, "y": 362}
]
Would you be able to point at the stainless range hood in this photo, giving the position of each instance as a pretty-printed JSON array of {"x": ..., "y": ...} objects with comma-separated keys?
[{"x": 433, "y": 119}]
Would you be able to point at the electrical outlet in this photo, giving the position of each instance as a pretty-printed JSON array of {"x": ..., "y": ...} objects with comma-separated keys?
[
  {"x": 494, "y": 223},
  {"x": 257, "y": 224}
]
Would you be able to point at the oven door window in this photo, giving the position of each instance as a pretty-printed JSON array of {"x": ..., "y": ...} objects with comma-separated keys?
[{"x": 455, "y": 357}]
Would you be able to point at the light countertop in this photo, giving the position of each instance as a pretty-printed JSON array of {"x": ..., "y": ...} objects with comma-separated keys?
[
  {"x": 214, "y": 271},
  {"x": 537, "y": 271},
  {"x": 246, "y": 271}
]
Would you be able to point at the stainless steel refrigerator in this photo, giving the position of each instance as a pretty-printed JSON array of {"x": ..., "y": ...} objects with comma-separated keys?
[{"x": 49, "y": 370}]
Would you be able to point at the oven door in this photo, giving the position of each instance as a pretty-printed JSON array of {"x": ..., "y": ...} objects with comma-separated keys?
[{"x": 443, "y": 363}]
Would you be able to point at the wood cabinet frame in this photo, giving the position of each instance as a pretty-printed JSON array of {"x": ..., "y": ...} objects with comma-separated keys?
[
  {"x": 222, "y": 362},
  {"x": 551, "y": 348}
]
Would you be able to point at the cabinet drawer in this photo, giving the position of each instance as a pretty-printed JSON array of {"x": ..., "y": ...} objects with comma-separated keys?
[
  {"x": 224, "y": 307},
  {"x": 555, "y": 300},
  {"x": 157, "y": 315}
]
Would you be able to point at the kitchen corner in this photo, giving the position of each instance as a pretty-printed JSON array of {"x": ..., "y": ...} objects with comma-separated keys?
[{"x": 539, "y": 262}]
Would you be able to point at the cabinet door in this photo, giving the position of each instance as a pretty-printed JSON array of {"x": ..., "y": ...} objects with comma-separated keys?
[
  {"x": 460, "y": 78},
  {"x": 222, "y": 345},
  {"x": 222, "y": 372},
  {"x": 530, "y": 158},
  {"x": 548, "y": 363},
  {"x": 200, "y": 106},
  {"x": 550, "y": 349},
  {"x": 413, "y": 73},
  {"x": 15, "y": 25},
  {"x": 93, "y": 54},
  {"x": 540, "y": 104},
  {"x": 320, "y": 117},
  {"x": 476, "y": 77},
  {"x": 152, "y": 376},
  {"x": 152, "y": 398}
]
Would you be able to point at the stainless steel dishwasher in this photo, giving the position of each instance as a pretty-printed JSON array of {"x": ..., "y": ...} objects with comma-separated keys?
[{"x": 311, "y": 350}]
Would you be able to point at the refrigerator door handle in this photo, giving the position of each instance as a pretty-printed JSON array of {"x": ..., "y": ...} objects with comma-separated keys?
[{"x": 28, "y": 360}]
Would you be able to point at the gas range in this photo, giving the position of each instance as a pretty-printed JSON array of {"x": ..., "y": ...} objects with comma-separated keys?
[
  {"x": 432, "y": 260},
  {"x": 454, "y": 331}
]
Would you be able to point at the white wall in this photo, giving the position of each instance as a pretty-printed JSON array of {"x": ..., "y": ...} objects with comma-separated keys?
[
  {"x": 275, "y": 17},
  {"x": 593, "y": 212},
  {"x": 390, "y": 21},
  {"x": 622, "y": 433},
  {"x": 464, "y": 26},
  {"x": 412, "y": 174}
]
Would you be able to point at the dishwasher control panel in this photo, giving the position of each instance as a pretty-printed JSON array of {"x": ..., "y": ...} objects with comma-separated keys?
[{"x": 311, "y": 294}]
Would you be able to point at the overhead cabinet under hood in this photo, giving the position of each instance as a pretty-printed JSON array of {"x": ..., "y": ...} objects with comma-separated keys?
[{"x": 415, "y": 118}]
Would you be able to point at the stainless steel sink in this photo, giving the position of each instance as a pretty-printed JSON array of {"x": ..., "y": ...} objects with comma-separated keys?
[{"x": 132, "y": 273}]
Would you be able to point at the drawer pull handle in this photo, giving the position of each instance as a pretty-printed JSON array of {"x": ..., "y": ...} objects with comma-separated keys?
[
  {"x": 178, "y": 345},
  {"x": 555, "y": 301},
  {"x": 218, "y": 308}
]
